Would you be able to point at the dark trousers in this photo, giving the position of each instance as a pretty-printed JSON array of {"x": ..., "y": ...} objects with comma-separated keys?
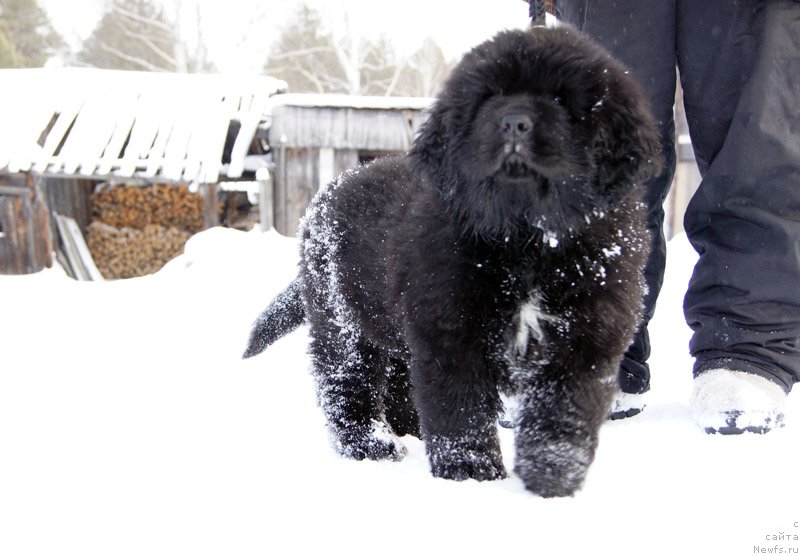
[{"x": 739, "y": 64}]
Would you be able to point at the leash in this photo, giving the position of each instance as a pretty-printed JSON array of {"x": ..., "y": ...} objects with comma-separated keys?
[{"x": 537, "y": 12}]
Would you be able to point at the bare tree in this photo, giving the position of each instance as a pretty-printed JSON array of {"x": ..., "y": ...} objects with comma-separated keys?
[
  {"x": 190, "y": 51},
  {"x": 137, "y": 35},
  {"x": 311, "y": 59},
  {"x": 424, "y": 71},
  {"x": 304, "y": 55}
]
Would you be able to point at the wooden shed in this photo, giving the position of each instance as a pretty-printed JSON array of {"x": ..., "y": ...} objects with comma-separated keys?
[
  {"x": 64, "y": 130},
  {"x": 313, "y": 138}
]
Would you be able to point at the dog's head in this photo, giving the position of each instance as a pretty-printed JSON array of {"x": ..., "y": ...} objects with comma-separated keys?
[{"x": 537, "y": 128}]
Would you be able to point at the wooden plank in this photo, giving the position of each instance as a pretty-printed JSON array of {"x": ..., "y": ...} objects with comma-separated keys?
[
  {"x": 67, "y": 112},
  {"x": 326, "y": 165},
  {"x": 214, "y": 142},
  {"x": 345, "y": 160},
  {"x": 106, "y": 116},
  {"x": 13, "y": 258},
  {"x": 76, "y": 250},
  {"x": 343, "y": 128},
  {"x": 79, "y": 138},
  {"x": 250, "y": 122},
  {"x": 175, "y": 149},
  {"x": 155, "y": 157},
  {"x": 14, "y": 191},
  {"x": 301, "y": 179},
  {"x": 90, "y": 134},
  {"x": 23, "y": 247},
  {"x": 70, "y": 197},
  {"x": 203, "y": 131},
  {"x": 251, "y": 115},
  {"x": 209, "y": 192},
  {"x": 28, "y": 118},
  {"x": 198, "y": 137},
  {"x": 41, "y": 236},
  {"x": 265, "y": 201},
  {"x": 126, "y": 114},
  {"x": 143, "y": 133},
  {"x": 280, "y": 188},
  {"x": 73, "y": 259}
]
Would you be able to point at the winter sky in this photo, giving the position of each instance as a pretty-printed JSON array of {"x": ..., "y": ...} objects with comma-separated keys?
[{"x": 239, "y": 32}]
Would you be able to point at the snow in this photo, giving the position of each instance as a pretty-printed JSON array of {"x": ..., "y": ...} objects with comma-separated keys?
[
  {"x": 309, "y": 100},
  {"x": 94, "y": 113},
  {"x": 130, "y": 425},
  {"x": 529, "y": 322},
  {"x": 614, "y": 251}
]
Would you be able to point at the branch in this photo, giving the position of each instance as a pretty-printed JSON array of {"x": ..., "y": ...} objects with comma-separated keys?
[
  {"x": 201, "y": 51},
  {"x": 350, "y": 63},
  {"x": 301, "y": 52},
  {"x": 133, "y": 59},
  {"x": 333, "y": 82},
  {"x": 254, "y": 23},
  {"x": 142, "y": 19},
  {"x": 148, "y": 42},
  {"x": 312, "y": 78},
  {"x": 395, "y": 79},
  {"x": 376, "y": 68}
]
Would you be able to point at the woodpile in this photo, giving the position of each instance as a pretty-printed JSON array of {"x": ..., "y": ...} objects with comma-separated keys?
[
  {"x": 136, "y": 230},
  {"x": 136, "y": 207}
]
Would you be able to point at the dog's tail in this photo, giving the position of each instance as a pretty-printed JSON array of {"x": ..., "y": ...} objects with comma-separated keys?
[{"x": 284, "y": 314}]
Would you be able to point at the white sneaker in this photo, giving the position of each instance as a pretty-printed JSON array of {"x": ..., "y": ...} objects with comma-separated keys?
[
  {"x": 627, "y": 405},
  {"x": 733, "y": 402}
]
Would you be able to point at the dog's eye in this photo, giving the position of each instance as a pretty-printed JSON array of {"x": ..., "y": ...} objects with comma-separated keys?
[{"x": 558, "y": 100}]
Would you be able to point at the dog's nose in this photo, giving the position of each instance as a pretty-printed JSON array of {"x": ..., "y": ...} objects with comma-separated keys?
[{"x": 515, "y": 126}]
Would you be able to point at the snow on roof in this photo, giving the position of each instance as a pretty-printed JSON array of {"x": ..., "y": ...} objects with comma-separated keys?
[
  {"x": 106, "y": 123},
  {"x": 303, "y": 100}
]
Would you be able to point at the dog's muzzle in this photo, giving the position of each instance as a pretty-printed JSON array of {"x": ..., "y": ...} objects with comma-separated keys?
[
  {"x": 516, "y": 130},
  {"x": 515, "y": 166}
]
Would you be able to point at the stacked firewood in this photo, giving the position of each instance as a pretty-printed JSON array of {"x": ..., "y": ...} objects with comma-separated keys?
[
  {"x": 136, "y": 207},
  {"x": 137, "y": 230}
]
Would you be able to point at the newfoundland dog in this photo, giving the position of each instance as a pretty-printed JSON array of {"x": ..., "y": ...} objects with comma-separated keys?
[{"x": 502, "y": 255}]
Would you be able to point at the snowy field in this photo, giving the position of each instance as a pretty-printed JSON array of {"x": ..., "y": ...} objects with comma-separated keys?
[{"x": 129, "y": 425}]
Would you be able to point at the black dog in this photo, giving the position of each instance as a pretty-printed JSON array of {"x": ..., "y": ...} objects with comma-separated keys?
[{"x": 504, "y": 253}]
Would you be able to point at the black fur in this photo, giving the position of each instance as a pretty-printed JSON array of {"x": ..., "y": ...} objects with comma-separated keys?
[
  {"x": 283, "y": 315},
  {"x": 503, "y": 254}
]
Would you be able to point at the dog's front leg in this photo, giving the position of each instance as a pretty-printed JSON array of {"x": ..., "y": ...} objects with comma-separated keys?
[
  {"x": 565, "y": 398},
  {"x": 457, "y": 402}
]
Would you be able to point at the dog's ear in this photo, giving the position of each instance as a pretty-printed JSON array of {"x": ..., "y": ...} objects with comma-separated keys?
[
  {"x": 428, "y": 153},
  {"x": 627, "y": 144}
]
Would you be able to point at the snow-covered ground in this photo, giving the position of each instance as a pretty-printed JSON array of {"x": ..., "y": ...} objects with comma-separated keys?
[{"x": 129, "y": 425}]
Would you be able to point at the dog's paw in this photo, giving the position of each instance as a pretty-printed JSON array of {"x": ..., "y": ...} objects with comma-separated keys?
[
  {"x": 375, "y": 442},
  {"x": 554, "y": 469},
  {"x": 465, "y": 458}
]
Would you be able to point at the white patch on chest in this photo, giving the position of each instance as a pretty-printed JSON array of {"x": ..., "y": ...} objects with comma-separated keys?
[{"x": 530, "y": 320}]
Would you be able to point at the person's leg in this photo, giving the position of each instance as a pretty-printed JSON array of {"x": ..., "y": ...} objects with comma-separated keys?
[
  {"x": 740, "y": 68},
  {"x": 642, "y": 36}
]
